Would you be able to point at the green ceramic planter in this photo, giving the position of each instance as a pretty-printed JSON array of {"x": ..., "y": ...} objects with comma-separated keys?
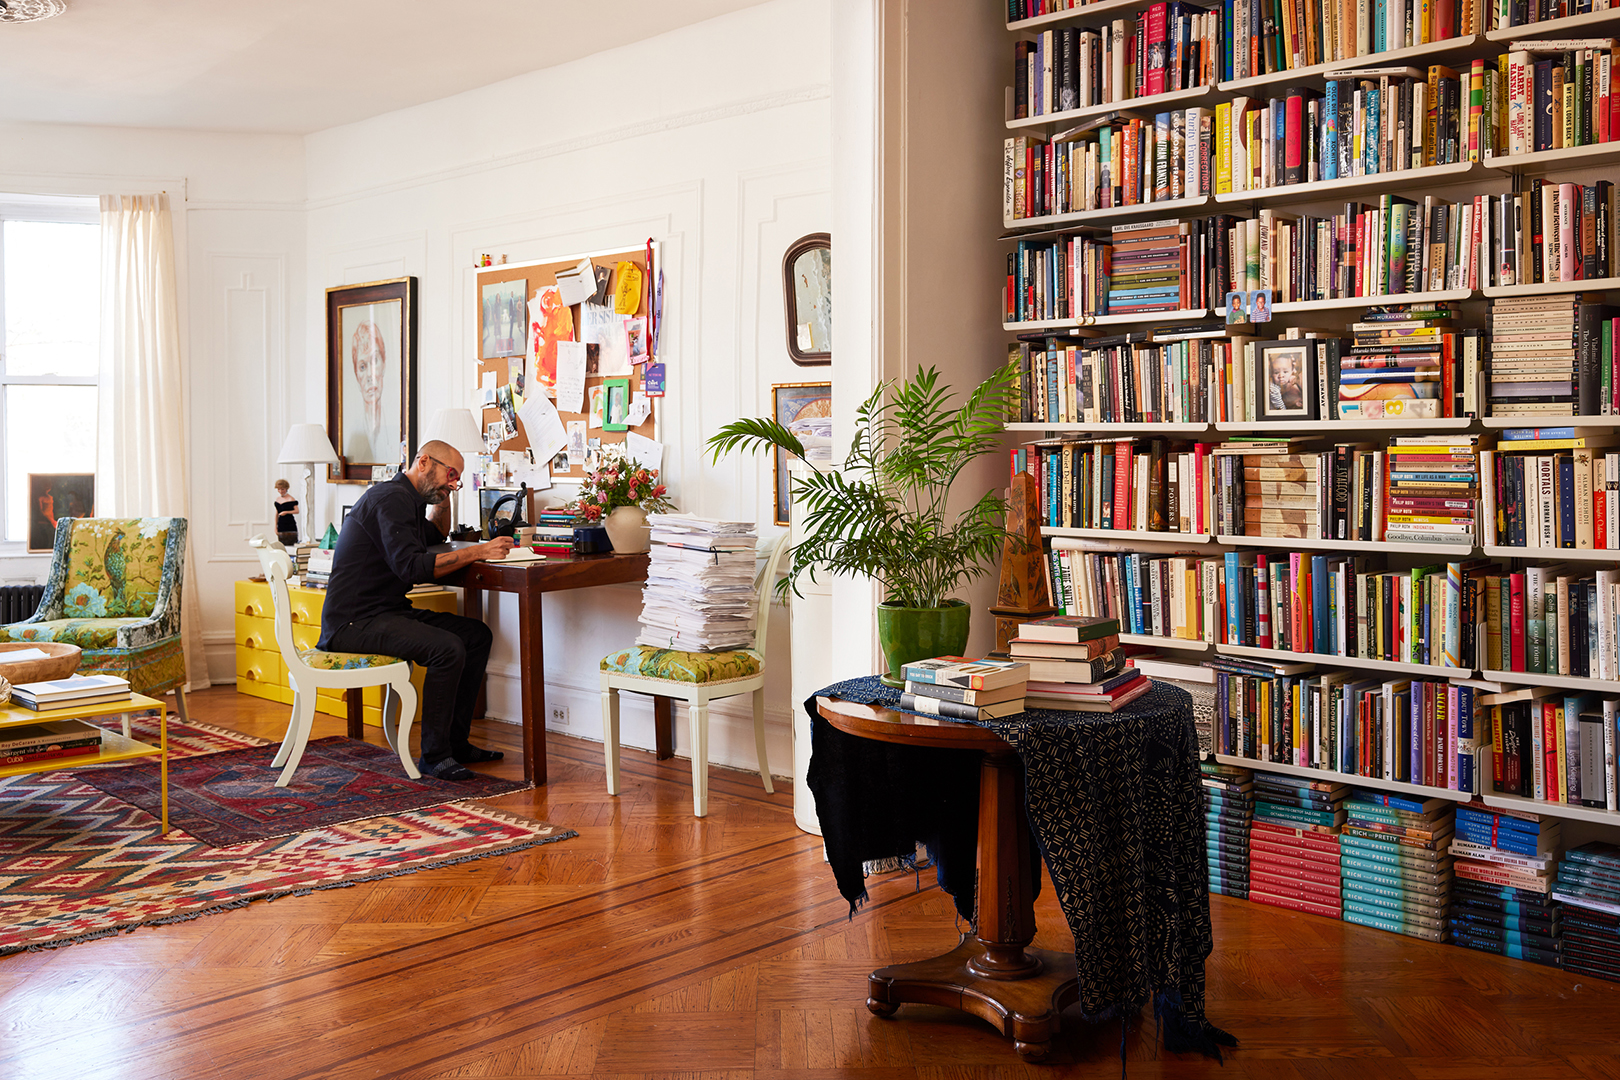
[{"x": 911, "y": 634}]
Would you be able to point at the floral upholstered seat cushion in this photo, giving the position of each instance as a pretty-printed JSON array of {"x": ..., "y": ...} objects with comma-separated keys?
[
  {"x": 85, "y": 633},
  {"x": 344, "y": 661},
  {"x": 688, "y": 667}
]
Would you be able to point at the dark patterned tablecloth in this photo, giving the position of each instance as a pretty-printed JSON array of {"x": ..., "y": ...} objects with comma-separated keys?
[{"x": 1115, "y": 806}]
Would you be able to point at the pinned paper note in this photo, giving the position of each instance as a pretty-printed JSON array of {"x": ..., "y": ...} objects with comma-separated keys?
[
  {"x": 538, "y": 477},
  {"x": 577, "y": 285},
  {"x": 627, "y": 295},
  {"x": 597, "y": 397},
  {"x": 648, "y": 453},
  {"x": 640, "y": 409},
  {"x": 577, "y": 443},
  {"x": 652, "y": 380},
  {"x": 550, "y": 321},
  {"x": 601, "y": 327},
  {"x": 544, "y": 426},
  {"x": 570, "y": 376},
  {"x": 486, "y": 389}
]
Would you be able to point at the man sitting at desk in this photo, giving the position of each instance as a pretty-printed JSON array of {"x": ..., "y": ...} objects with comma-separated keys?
[{"x": 381, "y": 553}]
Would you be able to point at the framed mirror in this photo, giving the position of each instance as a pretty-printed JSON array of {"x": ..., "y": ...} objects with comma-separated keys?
[{"x": 807, "y": 295}]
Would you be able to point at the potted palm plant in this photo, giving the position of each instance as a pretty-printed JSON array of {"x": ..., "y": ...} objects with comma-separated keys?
[{"x": 886, "y": 513}]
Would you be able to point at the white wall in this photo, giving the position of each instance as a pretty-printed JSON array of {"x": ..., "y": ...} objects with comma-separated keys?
[
  {"x": 238, "y": 205},
  {"x": 721, "y": 151}
]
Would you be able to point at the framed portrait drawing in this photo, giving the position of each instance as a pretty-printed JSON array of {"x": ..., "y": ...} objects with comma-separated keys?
[
  {"x": 796, "y": 406},
  {"x": 57, "y": 495},
  {"x": 807, "y": 297},
  {"x": 371, "y": 375},
  {"x": 1286, "y": 379}
]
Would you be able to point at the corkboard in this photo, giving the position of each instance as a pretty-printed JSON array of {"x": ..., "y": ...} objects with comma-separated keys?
[{"x": 537, "y": 275}]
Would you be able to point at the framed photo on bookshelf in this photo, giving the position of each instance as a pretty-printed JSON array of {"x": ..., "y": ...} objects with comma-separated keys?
[
  {"x": 794, "y": 406},
  {"x": 1287, "y": 378}
]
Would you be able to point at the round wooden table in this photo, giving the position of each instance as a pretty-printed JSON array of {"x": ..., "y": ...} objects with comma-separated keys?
[{"x": 993, "y": 974}]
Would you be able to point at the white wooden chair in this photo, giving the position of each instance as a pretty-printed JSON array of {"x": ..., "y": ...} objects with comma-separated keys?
[
  {"x": 696, "y": 678},
  {"x": 310, "y": 669}
]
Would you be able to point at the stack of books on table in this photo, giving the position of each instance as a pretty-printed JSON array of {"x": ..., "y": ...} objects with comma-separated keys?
[
  {"x": 1294, "y": 844},
  {"x": 317, "y": 569},
  {"x": 699, "y": 595},
  {"x": 1588, "y": 885},
  {"x": 1501, "y": 897},
  {"x": 50, "y": 739},
  {"x": 1228, "y": 814},
  {"x": 959, "y": 688},
  {"x": 1396, "y": 869},
  {"x": 1076, "y": 664},
  {"x": 72, "y": 692}
]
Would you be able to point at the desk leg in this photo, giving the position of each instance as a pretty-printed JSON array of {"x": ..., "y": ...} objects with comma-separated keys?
[
  {"x": 664, "y": 727},
  {"x": 532, "y": 666}
]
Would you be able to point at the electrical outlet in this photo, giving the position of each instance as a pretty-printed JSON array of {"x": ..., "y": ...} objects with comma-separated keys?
[{"x": 559, "y": 715}]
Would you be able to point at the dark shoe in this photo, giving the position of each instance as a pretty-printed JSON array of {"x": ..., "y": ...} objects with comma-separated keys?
[
  {"x": 470, "y": 754},
  {"x": 448, "y": 769}
]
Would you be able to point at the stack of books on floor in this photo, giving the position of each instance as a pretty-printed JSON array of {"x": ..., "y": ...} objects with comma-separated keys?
[
  {"x": 1076, "y": 664},
  {"x": 1408, "y": 363},
  {"x": 24, "y": 743},
  {"x": 958, "y": 688},
  {"x": 1503, "y": 861},
  {"x": 1228, "y": 814},
  {"x": 1433, "y": 489},
  {"x": 1294, "y": 844},
  {"x": 1397, "y": 871},
  {"x": 1588, "y": 886},
  {"x": 72, "y": 692},
  {"x": 699, "y": 595}
]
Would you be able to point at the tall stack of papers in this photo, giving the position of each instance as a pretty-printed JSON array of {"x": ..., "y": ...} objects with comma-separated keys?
[{"x": 699, "y": 595}]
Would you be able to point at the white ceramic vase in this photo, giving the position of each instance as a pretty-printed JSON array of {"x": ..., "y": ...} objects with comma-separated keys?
[{"x": 627, "y": 528}]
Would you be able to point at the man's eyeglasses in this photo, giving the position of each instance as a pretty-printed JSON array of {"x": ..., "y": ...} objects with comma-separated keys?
[{"x": 454, "y": 475}]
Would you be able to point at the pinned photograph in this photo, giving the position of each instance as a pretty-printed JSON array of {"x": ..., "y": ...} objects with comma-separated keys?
[
  {"x": 505, "y": 316},
  {"x": 550, "y": 321},
  {"x": 635, "y": 339},
  {"x": 578, "y": 443}
]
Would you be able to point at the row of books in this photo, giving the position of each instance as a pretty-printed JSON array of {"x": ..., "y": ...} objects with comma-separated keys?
[
  {"x": 1553, "y": 745},
  {"x": 1169, "y": 46},
  {"x": 1151, "y": 484},
  {"x": 1553, "y": 500},
  {"x": 1553, "y": 620},
  {"x": 1168, "y": 374},
  {"x": 1111, "y": 160},
  {"x": 24, "y": 743},
  {"x": 1559, "y": 93}
]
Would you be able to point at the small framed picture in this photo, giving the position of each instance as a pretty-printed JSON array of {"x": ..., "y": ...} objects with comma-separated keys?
[
  {"x": 1287, "y": 379},
  {"x": 635, "y": 338},
  {"x": 615, "y": 404},
  {"x": 57, "y": 495}
]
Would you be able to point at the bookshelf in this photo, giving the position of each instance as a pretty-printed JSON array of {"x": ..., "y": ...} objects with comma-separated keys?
[{"x": 1494, "y": 174}]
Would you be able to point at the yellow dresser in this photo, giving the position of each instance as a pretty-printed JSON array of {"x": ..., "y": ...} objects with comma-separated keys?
[{"x": 259, "y": 670}]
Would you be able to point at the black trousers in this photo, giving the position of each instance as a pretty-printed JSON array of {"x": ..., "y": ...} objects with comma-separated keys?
[{"x": 454, "y": 650}]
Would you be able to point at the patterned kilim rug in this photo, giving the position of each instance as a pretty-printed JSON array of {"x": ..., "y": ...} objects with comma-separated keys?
[
  {"x": 231, "y": 798},
  {"x": 77, "y": 863}
]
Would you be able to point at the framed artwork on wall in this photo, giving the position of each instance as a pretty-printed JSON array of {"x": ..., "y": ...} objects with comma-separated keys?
[
  {"x": 371, "y": 375},
  {"x": 57, "y": 495},
  {"x": 795, "y": 404},
  {"x": 807, "y": 297}
]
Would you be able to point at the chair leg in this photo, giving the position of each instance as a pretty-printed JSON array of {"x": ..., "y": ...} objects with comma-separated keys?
[
  {"x": 292, "y": 729},
  {"x": 610, "y": 736},
  {"x": 399, "y": 711},
  {"x": 180, "y": 704},
  {"x": 304, "y": 720},
  {"x": 698, "y": 715},
  {"x": 759, "y": 740}
]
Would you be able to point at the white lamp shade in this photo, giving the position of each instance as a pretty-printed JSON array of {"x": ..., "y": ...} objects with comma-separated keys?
[
  {"x": 307, "y": 443},
  {"x": 456, "y": 427}
]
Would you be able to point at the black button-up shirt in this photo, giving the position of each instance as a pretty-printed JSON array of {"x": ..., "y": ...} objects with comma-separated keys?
[{"x": 381, "y": 553}]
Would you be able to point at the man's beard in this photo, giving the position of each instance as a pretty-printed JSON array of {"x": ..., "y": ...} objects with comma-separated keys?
[{"x": 437, "y": 496}]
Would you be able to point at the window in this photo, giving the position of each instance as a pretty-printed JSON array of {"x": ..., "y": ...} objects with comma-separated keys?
[{"x": 50, "y": 337}]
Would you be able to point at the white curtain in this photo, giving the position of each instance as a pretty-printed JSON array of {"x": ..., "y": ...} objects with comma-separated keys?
[{"x": 141, "y": 450}]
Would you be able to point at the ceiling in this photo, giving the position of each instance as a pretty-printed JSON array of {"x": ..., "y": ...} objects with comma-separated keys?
[{"x": 296, "y": 66}]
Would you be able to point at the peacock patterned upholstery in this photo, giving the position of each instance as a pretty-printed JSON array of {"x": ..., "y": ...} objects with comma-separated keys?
[{"x": 114, "y": 591}]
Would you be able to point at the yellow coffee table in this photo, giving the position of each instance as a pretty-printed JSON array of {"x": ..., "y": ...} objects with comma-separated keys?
[{"x": 114, "y": 747}]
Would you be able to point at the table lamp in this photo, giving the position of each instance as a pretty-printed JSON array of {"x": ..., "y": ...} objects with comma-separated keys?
[
  {"x": 459, "y": 428},
  {"x": 307, "y": 445}
]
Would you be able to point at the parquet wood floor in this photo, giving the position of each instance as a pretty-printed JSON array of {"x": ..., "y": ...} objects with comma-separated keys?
[{"x": 658, "y": 946}]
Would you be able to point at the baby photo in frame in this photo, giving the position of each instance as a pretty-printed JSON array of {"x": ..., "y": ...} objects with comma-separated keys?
[{"x": 1287, "y": 379}]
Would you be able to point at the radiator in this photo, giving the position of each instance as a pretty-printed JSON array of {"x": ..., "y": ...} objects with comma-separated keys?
[{"x": 17, "y": 602}]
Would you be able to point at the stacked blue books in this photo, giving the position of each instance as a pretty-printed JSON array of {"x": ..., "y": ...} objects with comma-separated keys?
[
  {"x": 1502, "y": 897},
  {"x": 1228, "y": 813},
  {"x": 1395, "y": 862},
  {"x": 1588, "y": 885}
]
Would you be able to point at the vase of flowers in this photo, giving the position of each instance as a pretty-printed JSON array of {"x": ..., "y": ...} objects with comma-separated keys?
[{"x": 619, "y": 493}]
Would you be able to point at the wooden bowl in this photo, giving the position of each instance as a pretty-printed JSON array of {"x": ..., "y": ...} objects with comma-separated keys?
[{"x": 62, "y": 661}]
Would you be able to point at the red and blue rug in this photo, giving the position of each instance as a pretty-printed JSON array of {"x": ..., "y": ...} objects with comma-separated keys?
[{"x": 77, "y": 863}]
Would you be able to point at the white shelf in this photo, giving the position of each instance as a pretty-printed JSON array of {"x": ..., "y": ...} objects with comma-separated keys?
[
  {"x": 1152, "y": 102},
  {"x": 1497, "y": 551},
  {"x": 1264, "y": 427},
  {"x": 1537, "y": 678},
  {"x": 1438, "y": 296},
  {"x": 1398, "y": 666},
  {"x": 1548, "y": 288},
  {"x": 1394, "y": 57},
  {"x": 1539, "y": 162},
  {"x": 1172, "y": 207},
  {"x": 1087, "y": 321},
  {"x": 1504, "y": 422},
  {"x": 1132, "y": 535},
  {"x": 1551, "y": 809},
  {"x": 1429, "y": 176},
  {"x": 1404, "y": 547},
  {"x": 1157, "y": 642},
  {"x": 1161, "y": 428},
  {"x": 1378, "y": 783},
  {"x": 1079, "y": 15},
  {"x": 1557, "y": 27}
]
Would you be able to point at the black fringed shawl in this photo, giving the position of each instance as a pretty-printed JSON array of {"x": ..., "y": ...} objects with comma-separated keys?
[{"x": 1116, "y": 809}]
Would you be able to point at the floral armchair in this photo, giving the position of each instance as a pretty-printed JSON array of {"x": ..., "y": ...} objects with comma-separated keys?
[{"x": 114, "y": 591}]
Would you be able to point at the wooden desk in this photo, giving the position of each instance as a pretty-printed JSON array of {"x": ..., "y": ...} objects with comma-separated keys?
[
  {"x": 997, "y": 978},
  {"x": 528, "y": 581}
]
